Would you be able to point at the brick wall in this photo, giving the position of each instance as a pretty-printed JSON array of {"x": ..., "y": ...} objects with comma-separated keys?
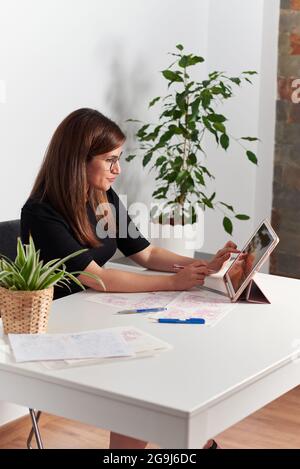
[{"x": 286, "y": 189}]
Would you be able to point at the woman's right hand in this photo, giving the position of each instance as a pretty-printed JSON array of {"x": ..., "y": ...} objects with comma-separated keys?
[{"x": 190, "y": 276}]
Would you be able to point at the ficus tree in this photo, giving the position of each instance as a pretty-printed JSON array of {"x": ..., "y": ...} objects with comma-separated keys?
[{"x": 175, "y": 145}]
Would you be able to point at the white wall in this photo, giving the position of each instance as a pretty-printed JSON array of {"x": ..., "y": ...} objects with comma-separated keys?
[
  {"x": 243, "y": 36},
  {"x": 267, "y": 110},
  {"x": 59, "y": 55}
]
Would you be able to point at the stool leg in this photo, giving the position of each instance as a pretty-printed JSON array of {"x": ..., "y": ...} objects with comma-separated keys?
[{"x": 35, "y": 430}]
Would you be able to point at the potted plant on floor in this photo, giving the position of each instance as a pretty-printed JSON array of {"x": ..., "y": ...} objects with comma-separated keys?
[
  {"x": 26, "y": 288},
  {"x": 175, "y": 145}
]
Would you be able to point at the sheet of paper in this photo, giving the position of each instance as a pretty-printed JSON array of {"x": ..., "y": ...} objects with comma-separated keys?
[
  {"x": 132, "y": 300},
  {"x": 198, "y": 303},
  {"x": 91, "y": 344},
  {"x": 141, "y": 343}
]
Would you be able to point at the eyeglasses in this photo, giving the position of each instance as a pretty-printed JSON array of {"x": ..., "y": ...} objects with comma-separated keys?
[{"x": 111, "y": 162}]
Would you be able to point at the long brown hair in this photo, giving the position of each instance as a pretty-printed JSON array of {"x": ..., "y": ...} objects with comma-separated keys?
[{"x": 62, "y": 178}]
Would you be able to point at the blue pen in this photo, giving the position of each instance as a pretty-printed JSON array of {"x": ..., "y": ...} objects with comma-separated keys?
[
  {"x": 142, "y": 310},
  {"x": 181, "y": 321}
]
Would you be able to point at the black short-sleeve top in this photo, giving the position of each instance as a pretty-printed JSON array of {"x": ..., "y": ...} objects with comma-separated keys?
[{"x": 54, "y": 237}]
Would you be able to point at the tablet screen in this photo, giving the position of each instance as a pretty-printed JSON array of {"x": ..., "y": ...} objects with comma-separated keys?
[{"x": 250, "y": 256}]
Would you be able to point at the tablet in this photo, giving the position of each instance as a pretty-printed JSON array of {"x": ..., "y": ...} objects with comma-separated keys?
[{"x": 249, "y": 261}]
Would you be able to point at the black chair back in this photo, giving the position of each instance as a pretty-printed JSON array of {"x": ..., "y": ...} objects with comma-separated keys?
[{"x": 9, "y": 232}]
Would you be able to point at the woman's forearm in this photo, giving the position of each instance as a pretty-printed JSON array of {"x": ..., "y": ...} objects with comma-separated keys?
[
  {"x": 163, "y": 260},
  {"x": 120, "y": 281}
]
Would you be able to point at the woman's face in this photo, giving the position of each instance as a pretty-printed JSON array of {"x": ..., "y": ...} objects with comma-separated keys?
[{"x": 103, "y": 169}]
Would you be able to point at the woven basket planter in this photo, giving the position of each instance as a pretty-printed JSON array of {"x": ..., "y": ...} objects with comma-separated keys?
[{"x": 25, "y": 312}]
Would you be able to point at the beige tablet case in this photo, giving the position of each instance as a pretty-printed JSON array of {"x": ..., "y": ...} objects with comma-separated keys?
[{"x": 253, "y": 294}]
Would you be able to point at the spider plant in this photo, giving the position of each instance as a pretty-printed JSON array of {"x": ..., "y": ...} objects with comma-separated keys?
[{"x": 28, "y": 273}]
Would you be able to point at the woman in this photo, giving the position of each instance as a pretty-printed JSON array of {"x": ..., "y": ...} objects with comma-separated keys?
[{"x": 62, "y": 215}]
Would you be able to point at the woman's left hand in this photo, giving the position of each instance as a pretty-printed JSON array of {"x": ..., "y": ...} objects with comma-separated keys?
[{"x": 222, "y": 256}]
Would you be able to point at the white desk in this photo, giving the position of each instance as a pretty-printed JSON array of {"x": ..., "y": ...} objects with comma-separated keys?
[{"x": 213, "y": 378}]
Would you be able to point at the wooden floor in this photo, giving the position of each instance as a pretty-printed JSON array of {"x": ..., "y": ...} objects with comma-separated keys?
[{"x": 275, "y": 426}]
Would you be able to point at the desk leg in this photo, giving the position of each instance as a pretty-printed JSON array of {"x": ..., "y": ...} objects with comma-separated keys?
[{"x": 35, "y": 430}]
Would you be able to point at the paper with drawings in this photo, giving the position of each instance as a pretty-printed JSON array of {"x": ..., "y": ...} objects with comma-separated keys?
[
  {"x": 141, "y": 343},
  {"x": 198, "y": 303},
  {"x": 91, "y": 344},
  {"x": 133, "y": 300}
]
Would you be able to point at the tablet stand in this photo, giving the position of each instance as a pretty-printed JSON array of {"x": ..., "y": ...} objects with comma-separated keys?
[{"x": 253, "y": 294}]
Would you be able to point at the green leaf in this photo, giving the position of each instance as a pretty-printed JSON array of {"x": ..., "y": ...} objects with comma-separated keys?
[
  {"x": 20, "y": 259},
  {"x": 250, "y": 139},
  {"x": 95, "y": 277},
  {"x": 172, "y": 76},
  {"x": 165, "y": 138},
  {"x": 214, "y": 75},
  {"x": 142, "y": 131},
  {"x": 217, "y": 90},
  {"x": 229, "y": 207},
  {"x": 207, "y": 124},
  {"x": 242, "y": 217},
  {"x": 4, "y": 275},
  {"x": 162, "y": 171},
  {"x": 235, "y": 80},
  {"x": 210, "y": 128},
  {"x": 152, "y": 135},
  {"x": 251, "y": 72},
  {"x": 192, "y": 159},
  {"x": 171, "y": 177},
  {"x": 206, "y": 97},
  {"x": 147, "y": 158},
  {"x": 224, "y": 140},
  {"x": 72, "y": 277},
  {"x": 130, "y": 157},
  {"x": 154, "y": 101},
  {"x": 49, "y": 264},
  {"x": 200, "y": 178},
  {"x": 252, "y": 157},
  {"x": 178, "y": 162},
  {"x": 175, "y": 129},
  {"x": 220, "y": 127},
  {"x": 189, "y": 60},
  {"x": 181, "y": 101},
  {"x": 29, "y": 265},
  {"x": 216, "y": 118},
  {"x": 36, "y": 275},
  {"x": 227, "y": 223},
  {"x": 55, "y": 266},
  {"x": 196, "y": 60},
  {"x": 208, "y": 203},
  {"x": 51, "y": 280},
  {"x": 160, "y": 161},
  {"x": 161, "y": 190},
  {"x": 181, "y": 176},
  {"x": 195, "y": 108},
  {"x": 179, "y": 46}
]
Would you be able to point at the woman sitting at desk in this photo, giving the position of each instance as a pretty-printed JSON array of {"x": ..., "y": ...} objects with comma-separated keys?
[{"x": 62, "y": 213}]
